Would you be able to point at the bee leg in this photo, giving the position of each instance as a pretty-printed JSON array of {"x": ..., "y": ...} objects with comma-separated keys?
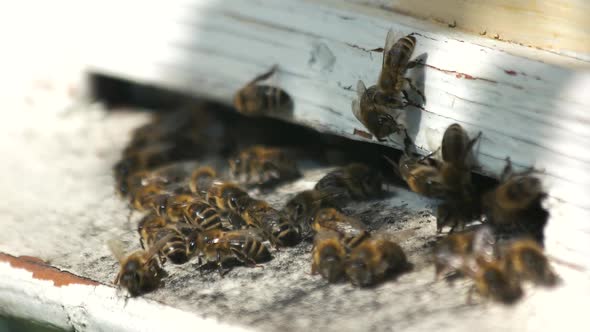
[
  {"x": 264, "y": 76},
  {"x": 162, "y": 259},
  {"x": 129, "y": 214},
  {"x": 413, "y": 87},
  {"x": 470, "y": 295},
  {"x": 220, "y": 264},
  {"x": 428, "y": 156},
  {"x": 507, "y": 171},
  {"x": 414, "y": 63},
  {"x": 116, "y": 280},
  {"x": 407, "y": 101}
]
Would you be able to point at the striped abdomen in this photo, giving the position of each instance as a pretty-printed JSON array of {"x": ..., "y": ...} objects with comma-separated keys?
[
  {"x": 400, "y": 55},
  {"x": 201, "y": 214},
  {"x": 280, "y": 230},
  {"x": 250, "y": 250},
  {"x": 175, "y": 248}
]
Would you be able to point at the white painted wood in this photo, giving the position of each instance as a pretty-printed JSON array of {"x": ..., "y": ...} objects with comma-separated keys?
[
  {"x": 528, "y": 110},
  {"x": 90, "y": 308}
]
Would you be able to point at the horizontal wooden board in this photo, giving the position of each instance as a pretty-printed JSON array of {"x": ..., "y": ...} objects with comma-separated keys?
[{"x": 527, "y": 109}]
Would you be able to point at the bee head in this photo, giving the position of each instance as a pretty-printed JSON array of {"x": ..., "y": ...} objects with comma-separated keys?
[
  {"x": 331, "y": 264},
  {"x": 132, "y": 277},
  {"x": 359, "y": 273}
]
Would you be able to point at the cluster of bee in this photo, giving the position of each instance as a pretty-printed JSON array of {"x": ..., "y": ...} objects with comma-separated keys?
[
  {"x": 194, "y": 211},
  {"x": 497, "y": 270},
  {"x": 191, "y": 210},
  {"x": 512, "y": 207},
  {"x": 342, "y": 245}
]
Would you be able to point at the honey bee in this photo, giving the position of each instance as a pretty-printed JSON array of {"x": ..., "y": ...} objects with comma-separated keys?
[
  {"x": 304, "y": 206},
  {"x": 277, "y": 227},
  {"x": 226, "y": 196},
  {"x": 474, "y": 254},
  {"x": 373, "y": 260},
  {"x": 525, "y": 259},
  {"x": 149, "y": 224},
  {"x": 372, "y": 111},
  {"x": 396, "y": 60},
  {"x": 453, "y": 250},
  {"x": 220, "y": 246},
  {"x": 329, "y": 256},
  {"x": 456, "y": 152},
  {"x": 260, "y": 165},
  {"x": 353, "y": 182},
  {"x": 201, "y": 214},
  {"x": 201, "y": 179},
  {"x": 174, "y": 206},
  {"x": 257, "y": 99},
  {"x": 150, "y": 198},
  {"x": 516, "y": 203},
  {"x": 169, "y": 175},
  {"x": 150, "y": 157},
  {"x": 182, "y": 127},
  {"x": 175, "y": 248},
  {"x": 421, "y": 176},
  {"x": 352, "y": 230},
  {"x": 140, "y": 271},
  {"x": 492, "y": 281}
]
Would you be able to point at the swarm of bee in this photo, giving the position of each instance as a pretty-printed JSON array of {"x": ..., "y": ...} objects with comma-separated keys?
[{"x": 195, "y": 211}]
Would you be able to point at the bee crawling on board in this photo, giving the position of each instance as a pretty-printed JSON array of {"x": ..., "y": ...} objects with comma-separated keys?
[
  {"x": 201, "y": 180},
  {"x": 244, "y": 246},
  {"x": 256, "y": 99},
  {"x": 492, "y": 281},
  {"x": 226, "y": 196},
  {"x": 140, "y": 271},
  {"x": 351, "y": 230},
  {"x": 328, "y": 256},
  {"x": 421, "y": 173},
  {"x": 461, "y": 204},
  {"x": 476, "y": 256},
  {"x": 263, "y": 166},
  {"x": 448, "y": 180},
  {"x": 396, "y": 60},
  {"x": 303, "y": 207},
  {"x": 370, "y": 110},
  {"x": 374, "y": 260},
  {"x": 524, "y": 258},
  {"x": 516, "y": 203},
  {"x": 355, "y": 181},
  {"x": 276, "y": 226},
  {"x": 376, "y": 105}
]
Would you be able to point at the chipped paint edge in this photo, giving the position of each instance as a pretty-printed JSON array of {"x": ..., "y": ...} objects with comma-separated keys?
[{"x": 82, "y": 304}]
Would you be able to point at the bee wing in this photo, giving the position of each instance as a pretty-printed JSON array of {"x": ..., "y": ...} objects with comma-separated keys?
[
  {"x": 484, "y": 243},
  {"x": 157, "y": 246},
  {"x": 394, "y": 165},
  {"x": 360, "y": 88},
  {"x": 390, "y": 40},
  {"x": 396, "y": 236},
  {"x": 324, "y": 235},
  {"x": 116, "y": 248},
  {"x": 349, "y": 227},
  {"x": 241, "y": 235},
  {"x": 450, "y": 259},
  {"x": 356, "y": 110}
]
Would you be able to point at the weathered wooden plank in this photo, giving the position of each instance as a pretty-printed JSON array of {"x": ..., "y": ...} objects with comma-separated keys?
[
  {"x": 524, "y": 107},
  {"x": 556, "y": 26}
]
